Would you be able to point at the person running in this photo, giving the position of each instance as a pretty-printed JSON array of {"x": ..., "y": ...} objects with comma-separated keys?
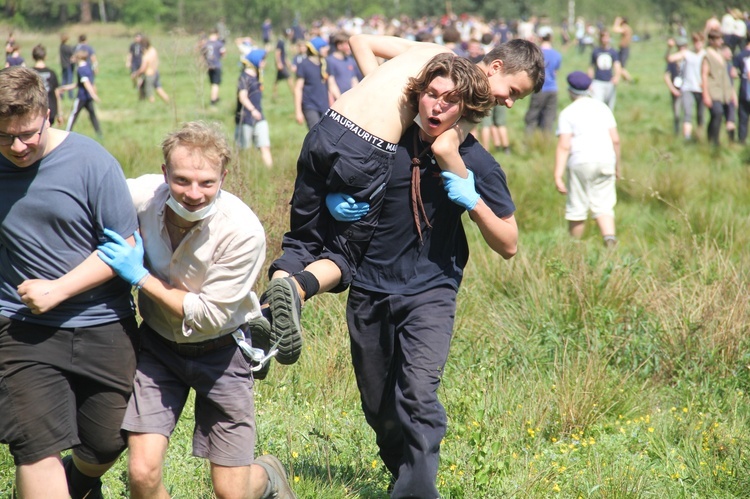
[
  {"x": 321, "y": 254},
  {"x": 149, "y": 70},
  {"x": 67, "y": 326},
  {"x": 49, "y": 77},
  {"x": 87, "y": 94},
  {"x": 213, "y": 51},
  {"x": 251, "y": 126},
  {"x": 194, "y": 315}
]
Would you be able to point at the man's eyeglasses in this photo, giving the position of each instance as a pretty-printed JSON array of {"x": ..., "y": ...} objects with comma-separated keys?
[{"x": 29, "y": 138}]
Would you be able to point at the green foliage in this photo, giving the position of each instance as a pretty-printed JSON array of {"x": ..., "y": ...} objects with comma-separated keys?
[{"x": 142, "y": 12}]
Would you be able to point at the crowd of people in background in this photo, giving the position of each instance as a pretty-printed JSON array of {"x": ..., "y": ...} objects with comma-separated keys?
[{"x": 184, "y": 216}]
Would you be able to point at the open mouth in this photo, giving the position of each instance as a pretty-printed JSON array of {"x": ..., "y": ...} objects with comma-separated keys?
[{"x": 434, "y": 121}]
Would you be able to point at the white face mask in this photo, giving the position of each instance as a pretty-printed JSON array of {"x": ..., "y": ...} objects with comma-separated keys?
[{"x": 192, "y": 216}]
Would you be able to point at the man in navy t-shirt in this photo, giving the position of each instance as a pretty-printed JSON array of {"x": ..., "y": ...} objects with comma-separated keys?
[
  {"x": 605, "y": 70},
  {"x": 402, "y": 302}
]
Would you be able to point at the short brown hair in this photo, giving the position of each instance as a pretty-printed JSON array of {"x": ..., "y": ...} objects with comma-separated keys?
[
  {"x": 519, "y": 55},
  {"x": 207, "y": 138},
  {"x": 23, "y": 93},
  {"x": 471, "y": 85}
]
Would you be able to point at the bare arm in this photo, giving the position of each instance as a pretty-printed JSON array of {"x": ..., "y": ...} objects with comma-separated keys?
[
  {"x": 91, "y": 90},
  {"x": 42, "y": 295},
  {"x": 168, "y": 297},
  {"x": 445, "y": 148},
  {"x": 705, "y": 70},
  {"x": 333, "y": 88},
  {"x": 247, "y": 104},
  {"x": 298, "y": 85},
  {"x": 616, "y": 144},
  {"x": 670, "y": 85},
  {"x": 367, "y": 48},
  {"x": 617, "y": 72},
  {"x": 561, "y": 161},
  {"x": 500, "y": 234}
]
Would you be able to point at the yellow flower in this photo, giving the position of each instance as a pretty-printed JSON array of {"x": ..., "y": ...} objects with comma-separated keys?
[
  {"x": 556, "y": 488},
  {"x": 295, "y": 455},
  {"x": 453, "y": 467},
  {"x": 296, "y": 478},
  {"x": 374, "y": 463},
  {"x": 650, "y": 430}
]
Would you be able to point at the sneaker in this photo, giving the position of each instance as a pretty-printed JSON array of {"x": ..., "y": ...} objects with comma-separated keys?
[
  {"x": 286, "y": 307},
  {"x": 280, "y": 488},
  {"x": 95, "y": 492},
  {"x": 259, "y": 330}
]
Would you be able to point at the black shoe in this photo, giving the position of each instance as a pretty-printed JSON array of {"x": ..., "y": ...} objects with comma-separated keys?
[{"x": 286, "y": 307}]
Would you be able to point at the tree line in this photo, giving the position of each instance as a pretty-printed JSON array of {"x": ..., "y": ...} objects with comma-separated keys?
[{"x": 247, "y": 15}]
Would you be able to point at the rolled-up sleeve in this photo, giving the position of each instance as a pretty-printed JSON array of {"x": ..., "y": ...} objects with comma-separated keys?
[{"x": 225, "y": 300}]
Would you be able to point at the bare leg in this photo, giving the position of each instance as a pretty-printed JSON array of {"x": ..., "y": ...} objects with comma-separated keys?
[
  {"x": 43, "y": 478},
  {"x": 162, "y": 94},
  {"x": 238, "y": 482},
  {"x": 145, "y": 461},
  {"x": 606, "y": 224},
  {"x": 265, "y": 154},
  {"x": 575, "y": 227}
]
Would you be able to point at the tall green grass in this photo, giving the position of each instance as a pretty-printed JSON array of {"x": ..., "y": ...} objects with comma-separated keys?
[{"x": 574, "y": 371}]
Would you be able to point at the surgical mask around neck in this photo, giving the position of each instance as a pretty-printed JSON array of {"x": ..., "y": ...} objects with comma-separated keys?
[{"x": 192, "y": 216}]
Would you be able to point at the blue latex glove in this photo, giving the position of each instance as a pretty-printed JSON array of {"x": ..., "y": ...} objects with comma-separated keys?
[
  {"x": 344, "y": 209},
  {"x": 461, "y": 190},
  {"x": 124, "y": 259}
]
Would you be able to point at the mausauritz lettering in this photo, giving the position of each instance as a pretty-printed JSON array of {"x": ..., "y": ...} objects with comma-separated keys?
[{"x": 363, "y": 134}]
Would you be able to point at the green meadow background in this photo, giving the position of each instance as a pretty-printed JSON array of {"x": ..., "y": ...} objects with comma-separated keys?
[{"x": 574, "y": 371}]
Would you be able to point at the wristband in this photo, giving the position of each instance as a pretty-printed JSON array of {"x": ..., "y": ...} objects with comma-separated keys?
[{"x": 140, "y": 283}]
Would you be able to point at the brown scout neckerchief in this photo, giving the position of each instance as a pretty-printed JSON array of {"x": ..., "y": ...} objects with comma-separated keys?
[{"x": 416, "y": 195}]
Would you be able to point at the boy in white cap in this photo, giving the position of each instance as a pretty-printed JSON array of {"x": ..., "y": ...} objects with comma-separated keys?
[{"x": 589, "y": 146}]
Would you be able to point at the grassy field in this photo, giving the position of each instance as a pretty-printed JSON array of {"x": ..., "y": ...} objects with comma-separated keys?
[{"x": 574, "y": 372}]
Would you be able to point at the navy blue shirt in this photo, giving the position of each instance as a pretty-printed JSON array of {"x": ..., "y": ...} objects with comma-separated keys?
[
  {"x": 742, "y": 63},
  {"x": 396, "y": 261},
  {"x": 315, "y": 90},
  {"x": 252, "y": 85},
  {"x": 603, "y": 61}
]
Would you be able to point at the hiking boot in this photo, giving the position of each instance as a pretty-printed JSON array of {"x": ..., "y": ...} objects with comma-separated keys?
[
  {"x": 94, "y": 489},
  {"x": 280, "y": 488},
  {"x": 286, "y": 307}
]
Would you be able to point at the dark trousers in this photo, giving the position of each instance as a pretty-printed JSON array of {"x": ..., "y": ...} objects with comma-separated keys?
[
  {"x": 542, "y": 112},
  {"x": 743, "y": 113},
  {"x": 67, "y": 77},
  {"x": 79, "y": 106},
  {"x": 399, "y": 347},
  {"x": 333, "y": 159},
  {"x": 676, "y": 111},
  {"x": 718, "y": 112}
]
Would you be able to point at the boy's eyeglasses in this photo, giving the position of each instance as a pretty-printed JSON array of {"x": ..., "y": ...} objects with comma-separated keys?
[{"x": 27, "y": 138}]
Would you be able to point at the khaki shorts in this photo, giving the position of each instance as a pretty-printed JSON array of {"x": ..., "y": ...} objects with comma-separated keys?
[
  {"x": 498, "y": 117},
  {"x": 256, "y": 135},
  {"x": 224, "y": 407},
  {"x": 591, "y": 188}
]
